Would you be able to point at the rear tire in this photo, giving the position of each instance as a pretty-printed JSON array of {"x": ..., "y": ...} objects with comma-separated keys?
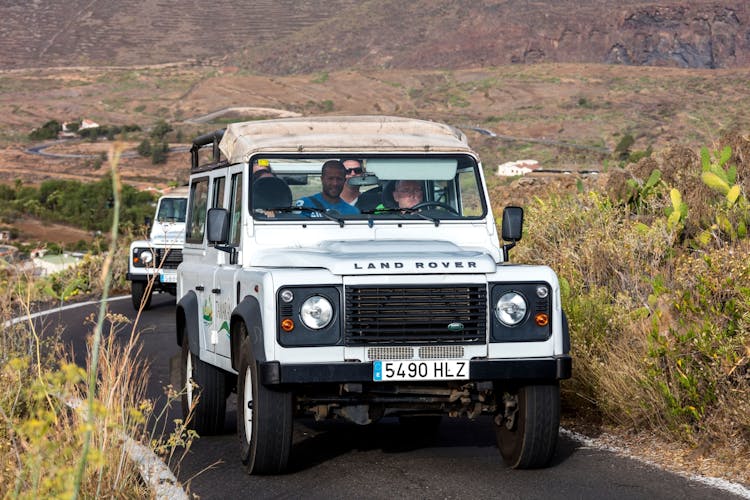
[
  {"x": 139, "y": 290},
  {"x": 528, "y": 440},
  {"x": 264, "y": 419},
  {"x": 203, "y": 390}
]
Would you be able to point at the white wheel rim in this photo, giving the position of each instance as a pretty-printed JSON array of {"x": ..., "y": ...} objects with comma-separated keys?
[
  {"x": 247, "y": 406},
  {"x": 189, "y": 380}
]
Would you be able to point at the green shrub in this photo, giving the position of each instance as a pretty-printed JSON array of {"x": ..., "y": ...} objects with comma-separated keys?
[
  {"x": 159, "y": 153},
  {"x": 144, "y": 148},
  {"x": 47, "y": 131},
  {"x": 622, "y": 150},
  {"x": 160, "y": 130}
]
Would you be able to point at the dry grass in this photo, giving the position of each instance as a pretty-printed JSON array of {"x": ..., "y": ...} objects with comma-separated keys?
[
  {"x": 660, "y": 323},
  {"x": 41, "y": 433}
]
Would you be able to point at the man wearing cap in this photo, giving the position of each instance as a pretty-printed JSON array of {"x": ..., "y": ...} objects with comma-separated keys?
[{"x": 262, "y": 164}]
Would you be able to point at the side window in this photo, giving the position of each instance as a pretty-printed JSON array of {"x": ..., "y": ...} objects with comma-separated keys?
[
  {"x": 197, "y": 211},
  {"x": 235, "y": 208},
  {"x": 441, "y": 192},
  {"x": 218, "y": 193},
  {"x": 470, "y": 193}
]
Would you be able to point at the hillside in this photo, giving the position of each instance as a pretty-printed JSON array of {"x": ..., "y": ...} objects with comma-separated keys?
[
  {"x": 287, "y": 36},
  {"x": 586, "y": 105}
]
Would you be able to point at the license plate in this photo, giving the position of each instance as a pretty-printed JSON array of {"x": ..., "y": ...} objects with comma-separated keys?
[
  {"x": 434, "y": 369},
  {"x": 168, "y": 278}
]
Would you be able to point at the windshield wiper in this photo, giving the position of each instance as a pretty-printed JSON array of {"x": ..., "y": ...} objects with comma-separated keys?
[
  {"x": 419, "y": 212},
  {"x": 322, "y": 211},
  {"x": 402, "y": 212}
]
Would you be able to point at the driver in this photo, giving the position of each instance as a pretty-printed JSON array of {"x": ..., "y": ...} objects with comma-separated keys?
[{"x": 406, "y": 194}]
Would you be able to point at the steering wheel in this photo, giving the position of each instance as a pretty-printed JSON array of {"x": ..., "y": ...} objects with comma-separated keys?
[{"x": 437, "y": 204}]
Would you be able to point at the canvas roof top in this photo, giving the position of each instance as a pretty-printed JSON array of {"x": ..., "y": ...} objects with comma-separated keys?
[{"x": 336, "y": 134}]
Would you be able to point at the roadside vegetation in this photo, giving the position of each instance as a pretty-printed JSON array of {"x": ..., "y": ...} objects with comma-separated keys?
[
  {"x": 62, "y": 426},
  {"x": 85, "y": 205},
  {"x": 655, "y": 281}
]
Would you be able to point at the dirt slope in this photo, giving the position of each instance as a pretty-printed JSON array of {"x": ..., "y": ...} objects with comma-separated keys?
[{"x": 288, "y": 36}]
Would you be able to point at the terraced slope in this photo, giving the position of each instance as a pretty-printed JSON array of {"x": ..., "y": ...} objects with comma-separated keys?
[
  {"x": 292, "y": 36},
  {"x": 131, "y": 32}
]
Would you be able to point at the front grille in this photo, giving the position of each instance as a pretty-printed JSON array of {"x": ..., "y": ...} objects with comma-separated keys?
[
  {"x": 441, "y": 352},
  {"x": 415, "y": 314},
  {"x": 173, "y": 259},
  {"x": 390, "y": 353}
]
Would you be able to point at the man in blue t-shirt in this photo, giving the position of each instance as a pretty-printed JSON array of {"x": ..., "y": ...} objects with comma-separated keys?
[{"x": 332, "y": 177}]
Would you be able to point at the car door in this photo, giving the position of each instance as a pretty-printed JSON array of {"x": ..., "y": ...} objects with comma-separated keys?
[
  {"x": 197, "y": 271},
  {"x": 226, "y": 286}
]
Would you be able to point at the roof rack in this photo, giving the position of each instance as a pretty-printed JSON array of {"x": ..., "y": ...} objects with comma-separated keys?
[{"x": 199, "y": 142}]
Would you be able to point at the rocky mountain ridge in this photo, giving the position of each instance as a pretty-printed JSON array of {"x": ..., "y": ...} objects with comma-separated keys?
[{"x": 288, "y": 36}]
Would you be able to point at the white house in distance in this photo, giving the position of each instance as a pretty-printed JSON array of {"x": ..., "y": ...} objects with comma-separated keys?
[
  {"x": 86, "y": 123},
  {"x": 518, "y": 167},
  {"x": 67, "y": 133}
]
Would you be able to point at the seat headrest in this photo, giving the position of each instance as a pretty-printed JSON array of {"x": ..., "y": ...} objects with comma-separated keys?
[
  {"x": 387, "y": 196},
  {"x": 271, "y": 192}
]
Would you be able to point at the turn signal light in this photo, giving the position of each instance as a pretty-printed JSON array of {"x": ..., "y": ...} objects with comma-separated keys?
[
  {"x": 541, "y": 319},
  {"x": 287, "y": 324}
]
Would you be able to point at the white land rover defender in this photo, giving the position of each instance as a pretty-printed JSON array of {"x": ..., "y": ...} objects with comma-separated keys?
[
  {"x": 408, "y": 312},
  {"x": 152, "y": 264}
]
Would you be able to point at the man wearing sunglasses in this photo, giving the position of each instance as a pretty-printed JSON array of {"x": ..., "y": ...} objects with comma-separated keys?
[{"x": 350, "y": 194}]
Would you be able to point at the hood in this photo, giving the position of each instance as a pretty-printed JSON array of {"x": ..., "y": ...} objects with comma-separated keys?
[
  {"x": 381, "y": 257},
  {"x": 168, "y": 232}
]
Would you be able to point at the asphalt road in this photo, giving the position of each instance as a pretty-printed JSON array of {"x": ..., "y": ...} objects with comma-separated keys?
[{"x": 339, "y": 460}]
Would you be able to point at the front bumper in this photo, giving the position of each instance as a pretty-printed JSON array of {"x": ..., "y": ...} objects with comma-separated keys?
[{"x": 537, "y": 369}]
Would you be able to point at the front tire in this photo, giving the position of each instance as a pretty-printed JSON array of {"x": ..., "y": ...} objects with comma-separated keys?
[
  {"x": 527, "y": 437},
  {"x": 139, "y": 290},
  {"x": 264, "y": 419},
  {"x": 204, "y": 391}
]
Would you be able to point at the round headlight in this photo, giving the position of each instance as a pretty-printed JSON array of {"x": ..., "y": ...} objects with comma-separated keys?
[
  {"x": 511, "y": 309},
  {"x": 147, "y": 257},
  {"x": 316, "y": 312}
]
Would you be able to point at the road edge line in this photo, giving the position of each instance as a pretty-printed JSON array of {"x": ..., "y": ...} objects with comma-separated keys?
[{"x": 714, "y": 482}]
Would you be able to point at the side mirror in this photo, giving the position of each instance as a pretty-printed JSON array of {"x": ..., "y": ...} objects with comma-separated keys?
[
  {"x": 512, "y": 229},
  {"x": 217, "y": 226},
  {"x": 512, "y": 224}
]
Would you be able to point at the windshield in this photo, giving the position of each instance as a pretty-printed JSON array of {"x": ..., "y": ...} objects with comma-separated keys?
[
  {"x": 433, "y": 188},
  {"x": 172, "y": 210}
]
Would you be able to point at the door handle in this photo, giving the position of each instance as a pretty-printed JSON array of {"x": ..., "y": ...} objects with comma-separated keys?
[
  {"x": 199, "y": 288},
  {"x": 217, "y": 291}
]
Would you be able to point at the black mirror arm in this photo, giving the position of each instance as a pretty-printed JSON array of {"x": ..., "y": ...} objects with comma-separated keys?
[
  {"x": 232, "y": 251},
  {"x": 506, "y": 249}
]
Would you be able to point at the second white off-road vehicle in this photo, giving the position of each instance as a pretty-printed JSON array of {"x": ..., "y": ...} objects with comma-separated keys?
[
  {"x": 410, "y": 312},
  {"x": 152, "y": 264}
]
